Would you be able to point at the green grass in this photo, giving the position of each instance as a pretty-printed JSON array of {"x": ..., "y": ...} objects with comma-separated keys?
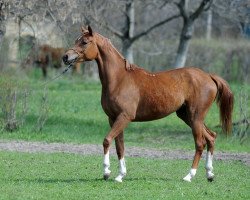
[
  {"x": 75, "y": 115},
  {"x": 68, "y": 176}
]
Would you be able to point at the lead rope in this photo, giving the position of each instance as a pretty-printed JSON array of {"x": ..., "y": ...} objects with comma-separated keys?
[{"x": 56, "y": 77}]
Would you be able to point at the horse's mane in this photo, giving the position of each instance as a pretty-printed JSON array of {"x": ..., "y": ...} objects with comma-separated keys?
[
  {"x": 107, "y": 42},
  {"x": 128, "y": 66}
]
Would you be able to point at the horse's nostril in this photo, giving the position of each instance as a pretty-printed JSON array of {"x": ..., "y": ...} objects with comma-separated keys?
[{"x": 65, "y": 58}]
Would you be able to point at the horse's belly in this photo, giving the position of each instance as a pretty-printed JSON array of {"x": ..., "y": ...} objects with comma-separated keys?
[
  {"x": 153, "y": 109},
  {"x": 150, "y": 117}
]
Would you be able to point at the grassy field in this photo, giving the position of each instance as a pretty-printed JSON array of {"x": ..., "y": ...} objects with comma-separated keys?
[
  {"x": 74, "y": 114},
  {"x": 67, "y": 176}
]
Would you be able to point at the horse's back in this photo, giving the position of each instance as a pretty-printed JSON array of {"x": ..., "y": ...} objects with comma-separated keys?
[
  {"x": 165, "y": 92},
  {"x": 180, "y": 79}
]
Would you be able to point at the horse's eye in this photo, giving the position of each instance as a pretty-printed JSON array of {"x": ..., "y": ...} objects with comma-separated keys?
[{"x": 84, "y": 43}]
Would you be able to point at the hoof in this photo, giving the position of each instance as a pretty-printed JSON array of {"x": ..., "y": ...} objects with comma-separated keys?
[
  {"x": 187, "y": 179},
  {"x": 210, "y": 176},
  {"x": 118, "y": 179},
  {"x": 210, "y": 179},
  {"x": 106, "y": 176}
]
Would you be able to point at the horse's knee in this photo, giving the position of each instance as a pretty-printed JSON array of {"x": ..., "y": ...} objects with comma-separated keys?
[
  {"x": 200, "y": 145},
  {"x": 106, "y": 142}
]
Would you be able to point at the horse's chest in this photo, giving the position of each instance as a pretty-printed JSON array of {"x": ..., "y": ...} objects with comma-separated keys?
[{"x": 110, "y": 106}]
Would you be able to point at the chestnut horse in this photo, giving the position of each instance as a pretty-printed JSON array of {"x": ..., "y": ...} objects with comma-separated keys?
[
  {"x": 132, "y": 94},
  {"x": 50, "y": 56}
]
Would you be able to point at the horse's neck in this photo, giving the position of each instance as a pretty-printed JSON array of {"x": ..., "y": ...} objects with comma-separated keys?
[{"x": 111, "y": 64}]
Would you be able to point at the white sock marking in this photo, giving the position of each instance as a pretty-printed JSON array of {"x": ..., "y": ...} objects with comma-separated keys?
[
  {"x": 190, "y": 175},
  {"x": 106, "y": 164},
  {"x": 122, "y": 170},
  {"x": 209, "y": 165}
]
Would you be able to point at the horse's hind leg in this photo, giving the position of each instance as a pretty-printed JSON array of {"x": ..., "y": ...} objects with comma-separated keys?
[
  {"x": 202, "y": 136},
  {"x": 200, "y": 142},
  {"x": 210, "y": 138}
]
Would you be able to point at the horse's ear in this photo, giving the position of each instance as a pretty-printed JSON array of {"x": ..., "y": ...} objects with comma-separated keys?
[
  {"x": 90, "y": 30},
  {"x": 83, "y": 29}
]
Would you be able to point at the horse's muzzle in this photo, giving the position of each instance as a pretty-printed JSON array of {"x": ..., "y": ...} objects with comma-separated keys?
[
  {"x": 70, "y": 57},
  {"x": 65, "y": 59}
]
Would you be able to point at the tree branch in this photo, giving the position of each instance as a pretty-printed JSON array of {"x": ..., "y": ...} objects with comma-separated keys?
[
  {"x": 136, "y": 37},
  {"x": 205, "y": 5},
  {"x": 208, "y": 6},
  {"x": 182, "y": 8},
  {"x": 33, "y": 30},
  {"x": 113, "y": 30},
  {"x": 109, "y": 27}
]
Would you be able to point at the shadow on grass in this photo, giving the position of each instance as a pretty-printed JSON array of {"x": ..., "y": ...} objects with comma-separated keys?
[
  {"x": 146, "y": 179},
  {"x": 41, "y": 180},
  {"x": 83, "y": 180}
]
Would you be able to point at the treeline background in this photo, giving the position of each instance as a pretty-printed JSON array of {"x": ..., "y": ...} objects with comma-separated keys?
[{"x": 148, "y": 32}]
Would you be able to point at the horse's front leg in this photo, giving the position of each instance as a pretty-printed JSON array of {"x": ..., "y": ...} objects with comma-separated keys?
[
  {"x": 117, "y": 127},
  {"x": 119, "y": 143}
]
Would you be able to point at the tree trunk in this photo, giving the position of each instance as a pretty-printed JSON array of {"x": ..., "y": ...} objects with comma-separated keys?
[
  {"x": 127, "y": 34},
  {"x": 127, "y": 51},
  {"x": 2, "y": 23},
  {"x": 186, "y": 35},
  {"x": 127, "y": 48},
  {"x": 187, "y": 29},
  {"x": 209, "y": 24},
  {"x": 2, "y": 32}
]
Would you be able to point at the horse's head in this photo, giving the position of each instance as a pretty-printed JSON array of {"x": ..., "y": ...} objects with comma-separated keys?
[{"x": 85, "y": 48}]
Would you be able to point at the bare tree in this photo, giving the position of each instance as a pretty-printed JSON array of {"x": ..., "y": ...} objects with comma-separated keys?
[
  {"x": 128, "y": 34},
  {"x": 187, "y": 28},
  {"x": 130, "y": 21}
]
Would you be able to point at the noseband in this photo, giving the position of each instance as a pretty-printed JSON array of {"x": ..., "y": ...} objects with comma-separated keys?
[
  {"x": 75, "y": 51},
  {"x": 128, "y": 66}
]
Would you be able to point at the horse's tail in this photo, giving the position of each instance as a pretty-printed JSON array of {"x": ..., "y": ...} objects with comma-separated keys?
[{"x": 225, "y": 102}]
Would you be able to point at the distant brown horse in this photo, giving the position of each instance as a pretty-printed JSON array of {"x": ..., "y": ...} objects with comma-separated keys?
[
  {"x": 131, "y": 94},
  {"x": 50, "y": 56}
]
